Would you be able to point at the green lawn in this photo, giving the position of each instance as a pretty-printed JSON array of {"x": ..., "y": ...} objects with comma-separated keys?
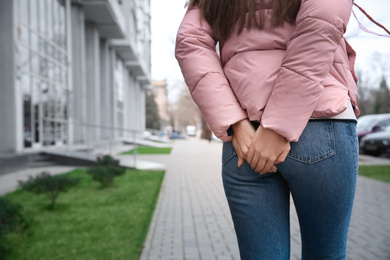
[
  {"x": 381, "y": 173},
  {"x": 150, "y": 150},
  {"x": 89, "y": 222}
]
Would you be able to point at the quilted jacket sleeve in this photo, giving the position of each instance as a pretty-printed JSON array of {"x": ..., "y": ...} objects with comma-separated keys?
[
  {"x": 320, "y": 26},
  {"x": 203, "y": 73}
]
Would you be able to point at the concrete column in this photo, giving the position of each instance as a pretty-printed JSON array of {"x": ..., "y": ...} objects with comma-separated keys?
[
  {"x": 8, "y": 96},
  {"x": 79, "y": 74},
  {"x": 138, "y": 105},
  {"x": 126, "y": 105},
  {"x": 143, "y": 111},
  {"x": 106, "y": 87},
  {"x": 92, "y": 100},
  {"x": 132, "y": 102},
  {"x": 113, "y": 95},
  {"x": 69, "y": 43}
]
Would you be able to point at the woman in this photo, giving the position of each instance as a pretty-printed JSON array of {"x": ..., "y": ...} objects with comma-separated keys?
[{"x": 282, "y": 96}]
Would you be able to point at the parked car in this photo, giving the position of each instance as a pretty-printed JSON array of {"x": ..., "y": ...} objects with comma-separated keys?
[
  {"x": 376, "y": 143},
  {"x": 372, "y": 123},
  {"x": 177, "y": 135},
  {"x": 191, "y": 130}
]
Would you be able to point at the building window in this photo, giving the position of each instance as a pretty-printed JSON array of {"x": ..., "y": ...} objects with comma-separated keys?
[
  {"x": 43, "y": 64},
  {"x": 120, "y": 95}
]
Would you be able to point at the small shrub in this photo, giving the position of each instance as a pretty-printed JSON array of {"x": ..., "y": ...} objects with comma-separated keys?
[
  {"x": 49, "y": 185},
  {"x": 105, "y": 170},
  {"x": 106, "y": 160},
  {"x": 10, "y": 220}
]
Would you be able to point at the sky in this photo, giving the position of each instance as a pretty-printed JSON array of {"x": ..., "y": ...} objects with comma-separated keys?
[{"x": 167, "y": 15}]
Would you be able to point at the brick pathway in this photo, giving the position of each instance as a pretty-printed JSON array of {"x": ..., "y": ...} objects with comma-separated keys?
[{"x": 192, "y": 220}]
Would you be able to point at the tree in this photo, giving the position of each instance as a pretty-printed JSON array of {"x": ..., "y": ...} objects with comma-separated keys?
[
  {"x": 374, "y": 100},
  {"x": 206, "y": 131},
  {"x": 49, "y": 185},
  {"x": 152, "y": 116},
  {"x": 186, "y": 112},
  {"x": 105, "y": 170},
  {"x": 382, "y": 98},
  {"x": 366, "y": 94}
]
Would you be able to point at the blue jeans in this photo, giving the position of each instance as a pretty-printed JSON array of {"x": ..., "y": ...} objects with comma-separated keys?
[{"x": 320, "y": 172}]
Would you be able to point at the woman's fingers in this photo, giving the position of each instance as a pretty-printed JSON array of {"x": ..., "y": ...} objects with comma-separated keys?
[
  {"x": 267, "y": 167},
  {"x": 250, "y": 158},
  {"x": 241, "y": 152},
  {"x": 267, "y": 149},
  {"x": 240, "y": 161},
  {"x": 258, "y": 161},
  {"x": 261, "y": 149},
  {"x": 274, "y": 168},
  {"x": 261, "y": 164},
  {"x": 243, "y": 132},
  {"x": 283, "y": 156}
]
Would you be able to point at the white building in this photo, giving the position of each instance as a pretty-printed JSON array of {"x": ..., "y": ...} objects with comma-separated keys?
[{"x": 72, "y": 72}]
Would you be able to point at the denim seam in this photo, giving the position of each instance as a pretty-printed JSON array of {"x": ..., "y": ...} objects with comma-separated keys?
[
  {"x": 321, "y": 157},
  {"x": 228, "y": 158},
  {"x": 315, "y": 159},
  {"x": 350, "y": 128},
  {"x": 355, "y": 146}
]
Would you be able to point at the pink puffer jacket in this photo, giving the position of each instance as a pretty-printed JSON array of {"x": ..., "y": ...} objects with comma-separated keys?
[{"x": 278, "y": 76}]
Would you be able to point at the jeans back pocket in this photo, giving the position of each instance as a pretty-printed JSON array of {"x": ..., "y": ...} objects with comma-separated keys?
[{"x": 315, "y": 144}]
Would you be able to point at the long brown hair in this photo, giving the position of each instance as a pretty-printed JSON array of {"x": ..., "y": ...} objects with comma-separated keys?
[{"x": 223, "y": 15}]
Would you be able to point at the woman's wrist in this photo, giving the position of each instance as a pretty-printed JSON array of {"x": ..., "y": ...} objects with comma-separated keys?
[{"x": 240, "y": 124}]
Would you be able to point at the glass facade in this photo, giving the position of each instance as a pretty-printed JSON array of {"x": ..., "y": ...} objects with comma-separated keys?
[
  {"x": 43, "y": 52},
  {"x": 74, "y": 73},
  {"x": 120, "y": 94}
]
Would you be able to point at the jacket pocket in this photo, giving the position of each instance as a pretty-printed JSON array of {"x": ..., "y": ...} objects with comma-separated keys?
[{"x": 315, "y": 144}]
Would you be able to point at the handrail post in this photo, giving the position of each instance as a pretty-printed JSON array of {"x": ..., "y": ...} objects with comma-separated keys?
[
  {"x": 135, "y": 151},
  {"x": 67, "y": 141}
]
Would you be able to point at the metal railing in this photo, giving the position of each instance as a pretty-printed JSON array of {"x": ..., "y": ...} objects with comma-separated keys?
[{"x": 92, "y": 135}]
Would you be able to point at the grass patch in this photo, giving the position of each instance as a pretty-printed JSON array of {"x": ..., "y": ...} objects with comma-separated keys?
[
  {"x": 150, "y": 150},
  {"x": 381, "y": 173},
  {"x": 89, "y": 222}
]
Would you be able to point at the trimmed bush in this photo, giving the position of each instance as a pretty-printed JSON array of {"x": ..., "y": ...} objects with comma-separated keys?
[
  {"x": 49, "y": 185},
  {"x": 10, "y": 220},
  {"x": 105, "y": 170}
]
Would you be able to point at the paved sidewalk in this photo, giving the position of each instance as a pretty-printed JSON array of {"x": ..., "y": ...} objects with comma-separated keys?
[
  {"x": 9, "y": 181},
  {"x": 192, "y": 220}
]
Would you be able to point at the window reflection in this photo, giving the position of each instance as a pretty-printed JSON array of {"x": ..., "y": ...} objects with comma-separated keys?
[
  {"x": 25, "y": 84},
  {"x": 42, "y": 19},
  {"x": 23, "y": 10},
  {"x": 36, "y": 109},
  {"x": 43, "y": 56},
  {"x": 120, "y": 94},
  {"x": 33, "y": 15}
]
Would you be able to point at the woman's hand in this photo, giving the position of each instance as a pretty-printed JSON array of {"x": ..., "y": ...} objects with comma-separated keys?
[
  {"x": 267, "y": 149},
  {"x": 243, "y": 132}
]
